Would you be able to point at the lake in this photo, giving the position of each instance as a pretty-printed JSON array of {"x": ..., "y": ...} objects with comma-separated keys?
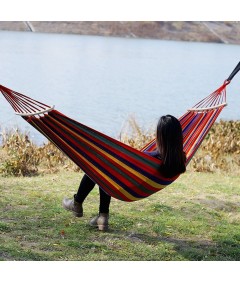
[{"x": 101, "y": 81}]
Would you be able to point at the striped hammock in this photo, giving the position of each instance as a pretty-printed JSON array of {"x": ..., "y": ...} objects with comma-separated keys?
[{"x": 121, "y": 171}]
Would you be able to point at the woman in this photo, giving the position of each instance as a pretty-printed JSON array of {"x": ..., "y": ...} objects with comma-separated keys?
[{"x": 169, "y": 142}]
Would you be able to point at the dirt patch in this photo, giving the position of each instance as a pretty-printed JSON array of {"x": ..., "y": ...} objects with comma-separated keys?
[{"x": 218, "y": 204}]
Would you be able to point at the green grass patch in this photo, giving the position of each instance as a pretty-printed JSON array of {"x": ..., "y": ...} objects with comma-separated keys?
[{"x": 195, "y": 218}]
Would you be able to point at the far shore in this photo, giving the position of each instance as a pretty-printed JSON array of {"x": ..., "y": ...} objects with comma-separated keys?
[{"x": 226, "y": 32}]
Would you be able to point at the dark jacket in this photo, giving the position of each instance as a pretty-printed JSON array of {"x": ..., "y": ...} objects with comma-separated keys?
[{"x": 154, "y": 154}]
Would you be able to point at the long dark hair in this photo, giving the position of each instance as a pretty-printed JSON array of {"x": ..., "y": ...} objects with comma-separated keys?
[{"x": 170, "y": 146}]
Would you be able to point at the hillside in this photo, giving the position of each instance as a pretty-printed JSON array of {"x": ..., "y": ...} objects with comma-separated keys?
[{"x": 220, "y": 32}]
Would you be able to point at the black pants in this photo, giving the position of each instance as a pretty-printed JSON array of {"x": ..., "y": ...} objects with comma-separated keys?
[{"x": 85, "y": 187}]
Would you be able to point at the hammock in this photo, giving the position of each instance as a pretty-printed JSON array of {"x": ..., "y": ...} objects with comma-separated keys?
[{"x": 121, "y": 171}]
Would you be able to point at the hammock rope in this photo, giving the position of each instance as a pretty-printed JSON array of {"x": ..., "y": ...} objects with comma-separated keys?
[
  {"x": 23, "y": 105},
  {"x": 121, "y": 171}
]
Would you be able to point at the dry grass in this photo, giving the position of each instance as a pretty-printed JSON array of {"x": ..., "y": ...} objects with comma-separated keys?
[
  {"x": 220, "y": 151},
  {"x": 134, "y": 135},
  {"x": 19, "y": 156}
]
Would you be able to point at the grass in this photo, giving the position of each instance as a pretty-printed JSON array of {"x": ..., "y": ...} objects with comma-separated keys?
[{"x": 196, "y": 218}]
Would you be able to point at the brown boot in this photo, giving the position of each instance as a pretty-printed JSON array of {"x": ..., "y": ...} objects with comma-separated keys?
[
  {"x": 100, "y": 221},
  {"x": 72, "y": 205}
]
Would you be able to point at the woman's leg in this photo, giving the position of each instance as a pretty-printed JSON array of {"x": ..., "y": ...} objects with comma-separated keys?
[
  {"x": 85, "y": 187},
  {"x": 105, "y": 200}
]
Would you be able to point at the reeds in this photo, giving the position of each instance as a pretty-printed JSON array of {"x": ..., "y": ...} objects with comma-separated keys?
[
  {"x": 19, "y": 156},
  {"x": 220, "y": 151},
  {"x": 134, "y": 135}
]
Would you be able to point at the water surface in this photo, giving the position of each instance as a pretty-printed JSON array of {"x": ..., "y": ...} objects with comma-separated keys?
[{"x": 100, "y": 81}]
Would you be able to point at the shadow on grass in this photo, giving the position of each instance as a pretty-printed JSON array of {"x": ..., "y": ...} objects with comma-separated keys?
[
  {"x": 222, "y": 245},
  {"x": 192, "y": 250}
]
